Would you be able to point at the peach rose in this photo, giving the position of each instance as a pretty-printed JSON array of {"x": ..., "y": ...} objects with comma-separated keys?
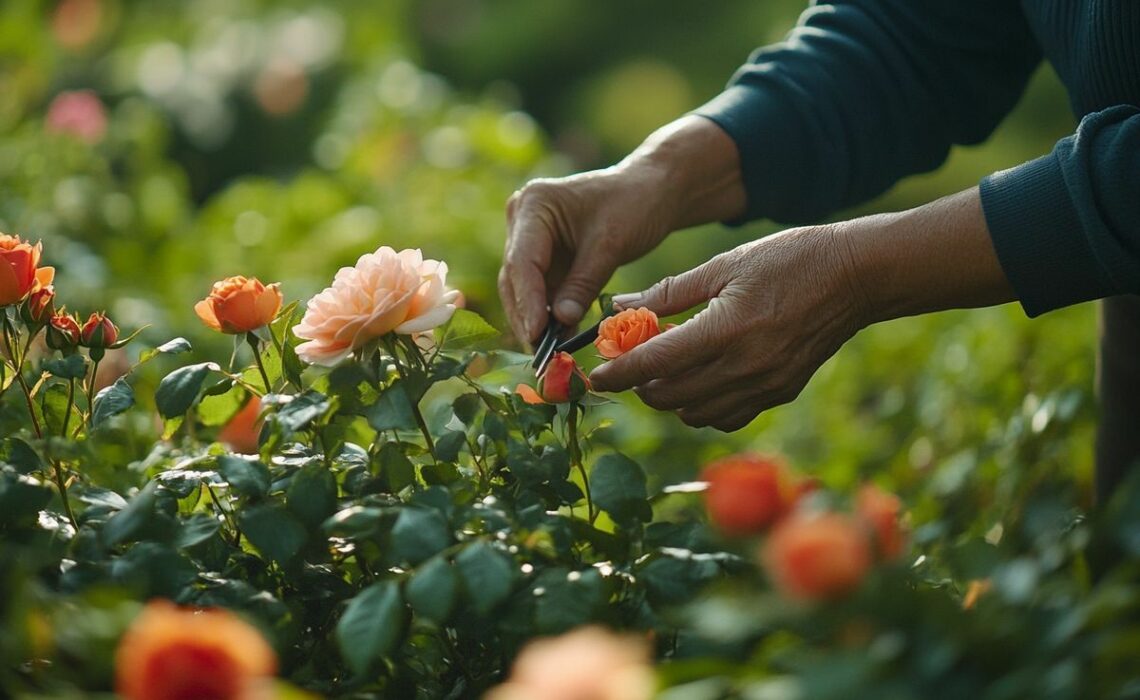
[
  {"x": 79, "y": 113},
  {"x": 239, "y": 305},
  {"x": 881, "y": 512},
  {"x": 624, "y": 331},
  {"x": 20, "y": 271},
  {"x": 386, "y": 292},
  {"x": 589, "y": 663},
  {"x": 173, "y": 653},
  {"x": 747, "y": 493},
  {"x": 562, "y": 381},
  {"x": 242, "y": 431},
  {"x": 817, "y": 557}
]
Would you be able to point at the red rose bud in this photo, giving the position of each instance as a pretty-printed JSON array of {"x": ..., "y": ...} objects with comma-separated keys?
[
  {"x": 98, "y": 332},
  {"x": 39, "y": 307},
  {"x": 563, "y": 380},
  {"x": 62, "y": 332}
]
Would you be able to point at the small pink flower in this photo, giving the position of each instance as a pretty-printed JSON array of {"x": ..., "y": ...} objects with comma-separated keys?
[
  {"x": 79, "y": 113},
  {"x": 590, "y": 663},
  {"x": 386, "y": 292}
]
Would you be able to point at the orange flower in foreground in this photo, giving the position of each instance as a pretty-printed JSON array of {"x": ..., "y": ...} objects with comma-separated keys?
[
  {"x": 20, "y": 271},
  {"x": 881, "y": 511},
  {"x": 239, "y": 305},
  {"x": 817, "y": 557},
  {"x": 747, "y": 493},
  {"x": 624, "y": 331},
  {"x": 589, "y": 663},
  {"x": 562, "y": 381},
  {"x": 242, "y": 431},
  {"x": 385, "y": 292},
  {"x": 172, "y": 653}
]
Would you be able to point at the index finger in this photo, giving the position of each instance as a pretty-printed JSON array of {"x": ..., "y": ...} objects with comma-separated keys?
[{"x": 526, "y": 262}]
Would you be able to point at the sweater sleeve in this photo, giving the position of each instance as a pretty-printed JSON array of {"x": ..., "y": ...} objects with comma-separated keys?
[
  {"x": 865, "y": 92},
  {"x": 1066, "y": 227}
]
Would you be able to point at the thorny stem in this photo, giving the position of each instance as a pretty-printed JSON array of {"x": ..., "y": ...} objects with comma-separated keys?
[
  {"x": 255, "y": 345},
  {"x": 18, "y": 365},
  {"x": 576, "y": 458}
]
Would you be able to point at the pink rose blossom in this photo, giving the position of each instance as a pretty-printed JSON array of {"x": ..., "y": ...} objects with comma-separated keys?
[
  {"x": 386, "y": 292},
  {"x": 79, "y": 113},
  {"x": 589, "y": 663}
]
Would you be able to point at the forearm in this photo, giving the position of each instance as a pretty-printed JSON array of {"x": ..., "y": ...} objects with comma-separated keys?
[
  {"x": 696, "y": 167},
  {"x": 934, "y": 257}
]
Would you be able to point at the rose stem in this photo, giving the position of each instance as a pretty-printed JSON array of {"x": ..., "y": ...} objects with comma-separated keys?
[
  {"x": 576, "y": 457},
  {"x": 18, "y": 364},
  {"x": 255, "y": 345},
  {"x": 412, "y": 402}
]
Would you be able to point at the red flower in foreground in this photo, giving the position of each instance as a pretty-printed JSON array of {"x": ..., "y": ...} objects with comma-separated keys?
[
  {"x": 562, "y": 381},
  {"x": 747, "y": 493},
  {"x": 817, "y": 557},
  {"x": 172, "y": 653},
  {"x": 881, "y": 511}
]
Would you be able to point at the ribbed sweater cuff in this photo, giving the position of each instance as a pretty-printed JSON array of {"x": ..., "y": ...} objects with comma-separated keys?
[
  {"x": 765, "y": 138},
  {"x": 1038, "y": 237}
]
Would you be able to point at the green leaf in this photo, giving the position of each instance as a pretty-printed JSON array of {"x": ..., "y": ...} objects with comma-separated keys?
[
  {"x": 20, "y": 455},
  {"x": 130, "y": 521},
  {"x": 617, "y": 486},
  {"x": 302, "y": 410},
  {"x": 218, "y": 409},
  {"x": 396, "y": 470},
  {"x": 248, "y": 477},
  {"x": 566, "y": 599},
  {"x": 21, "y": 497},
  {"x": 432, "y": 590},
  {"x": 676, "y": 576},
  {"x": 465, "y": 329},
  {"x": 69, "y": 367},
  {"x": 196, "y": 529},
  {"x": 111, "y": 401},
  {"x": 274, "y": 531},
  {"x": 419, "y": 534},
  {"x": 354, "y": 522},
  {"x": 392, "y": 411},
  {"x": 448, "y": 445},
  {"x": 487, "y": 576},
  {"x": 466, "y": 407},
  {"x": 312, "y": 495},
  {"x": 371, "y": 625},
  {"x": 177, "y": 390},
  {"x": 54, "y": 406},
  {"x": 170, "y": 347}
]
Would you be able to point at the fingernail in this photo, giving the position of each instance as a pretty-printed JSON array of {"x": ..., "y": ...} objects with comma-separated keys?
[
  {"x": 627, "y": 301},
  {"x": 569, "y": 310}
]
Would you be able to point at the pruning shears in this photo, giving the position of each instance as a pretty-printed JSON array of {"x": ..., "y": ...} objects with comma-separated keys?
[{"x": 549, "y": 343}]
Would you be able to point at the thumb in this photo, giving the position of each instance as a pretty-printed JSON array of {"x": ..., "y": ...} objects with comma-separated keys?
[
  {"x": 585, "y": 279},
  {"x": 680, "y": 292}
]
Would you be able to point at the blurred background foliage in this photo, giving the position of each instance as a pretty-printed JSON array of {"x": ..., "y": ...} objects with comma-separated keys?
[{"x": 284, "y": 139}]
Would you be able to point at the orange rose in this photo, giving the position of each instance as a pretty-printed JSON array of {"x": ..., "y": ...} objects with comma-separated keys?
[
  {"x": 20, "y": 273},
  {"x": 385, "y": 292},
  {"x": 562, "y": 381},
  {"x": 172, "y": 653},
  {"x": 624, "y": 331},
  {"x": 239, "y": 305},
  {"x": 817, "y": 557},
  {"x": 242, "y": 431},
  {"x": 98, "y": 332},
  {"x": 590, "y": 663},
  {"x": 881, "y": 511},
  {"x": 747, "y": 493}
]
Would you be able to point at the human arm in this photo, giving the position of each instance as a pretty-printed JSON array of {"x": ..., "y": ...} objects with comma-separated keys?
[{"x": 779, "y": 307}]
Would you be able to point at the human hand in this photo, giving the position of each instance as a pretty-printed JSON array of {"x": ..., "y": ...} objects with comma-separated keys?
[{"x": 777, "y": 309}]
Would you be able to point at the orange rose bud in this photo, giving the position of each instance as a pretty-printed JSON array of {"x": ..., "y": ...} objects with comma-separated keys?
[
  {"x": 63, "y": 332},
  {"x": 747, "y": 493},
  {"x": 563, "y": 380},
  {"x": 241, "y": 434},
  {"x": 39, "y": 307},
  {"x": 239, "y": 305},
  {"x": 20, "y": 273},
  {"x": 529, "y": 395},
  {"x": 172, "y": 653},
  {"x": 881, "y": 512},
  {"x": 624, "y": 331},
  {"x": 817, "y": 558},
  {"x": 98, "y": 332}
]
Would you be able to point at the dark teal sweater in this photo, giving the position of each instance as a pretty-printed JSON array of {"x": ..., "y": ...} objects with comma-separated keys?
[{"x": 864, "y": 92}]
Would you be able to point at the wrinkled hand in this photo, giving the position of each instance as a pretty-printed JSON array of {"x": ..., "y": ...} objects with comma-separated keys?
[
  {"x": 566, "y": 236},
  {"x": 777, "y": 309}
]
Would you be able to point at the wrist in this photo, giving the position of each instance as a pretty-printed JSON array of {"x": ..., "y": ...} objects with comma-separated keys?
[{"x": 694, "y": 168}]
